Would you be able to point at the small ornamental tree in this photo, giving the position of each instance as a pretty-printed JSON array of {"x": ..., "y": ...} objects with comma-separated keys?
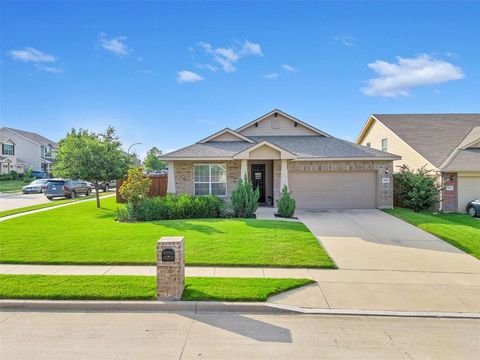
[
  {"x": 92, "y": 157},
  {"x": 416, "y": 189},
  {"x": 286, "y": 205},
  {"x": 152, "y": 162},
  {"x": 244, "y": 199},
  {"x": 136, "y": 187}
]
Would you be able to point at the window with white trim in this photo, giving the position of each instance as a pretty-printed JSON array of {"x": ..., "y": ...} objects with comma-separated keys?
[
  {"x": 210, "y": 179},
  {"x": 384, "y": 144},
  {"x": 8, "y": 149}
]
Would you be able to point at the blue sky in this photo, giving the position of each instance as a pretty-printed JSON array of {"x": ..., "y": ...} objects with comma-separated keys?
[{"x": 168, "y": 74}]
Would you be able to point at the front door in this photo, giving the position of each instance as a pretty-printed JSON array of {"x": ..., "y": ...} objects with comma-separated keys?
[{"x": 258, "y": 180}]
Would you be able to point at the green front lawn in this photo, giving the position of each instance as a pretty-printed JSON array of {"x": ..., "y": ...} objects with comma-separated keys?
[
  {"x": 460, "y": 230},
  {"x": 54, "y": 202},
  {"x": 83, "y": 234},
  {"x": 99, "y": 287},
  {"x": 11, "y": 185}
]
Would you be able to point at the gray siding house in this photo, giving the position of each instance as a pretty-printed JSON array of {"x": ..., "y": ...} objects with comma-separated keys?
[{"x": 27, "y": 149}]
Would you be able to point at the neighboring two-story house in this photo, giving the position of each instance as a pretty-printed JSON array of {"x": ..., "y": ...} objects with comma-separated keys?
[
  {"x": 24, "y": 149},
  {"x": 447, "y": 144},
  {"x": 277, "y": 150}
]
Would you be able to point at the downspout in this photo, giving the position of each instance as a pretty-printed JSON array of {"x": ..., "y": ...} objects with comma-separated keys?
[{"x": 441, "y": 191}]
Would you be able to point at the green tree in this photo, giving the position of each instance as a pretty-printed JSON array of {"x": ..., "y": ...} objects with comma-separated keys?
[
  {"x": 416, "y": 189},
  {"x": 286, "y": 205},
  {"x": 136, "y": 187},
  {"x": 92, "y": 157},
  {"x": 244, "y": 199},
  {"x": 152, "y": 162}
]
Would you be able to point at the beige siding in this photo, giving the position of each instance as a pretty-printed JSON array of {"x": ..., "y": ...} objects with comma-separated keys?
[
  {"x": 265, "y": 152},
  {"x": 226, "y": 137},
  {"x": 396, "y": 146},
  {"x": 468, "y": 189},
  {"x": 279, "y": 125}
]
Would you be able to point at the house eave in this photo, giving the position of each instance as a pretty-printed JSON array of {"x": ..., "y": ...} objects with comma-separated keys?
[{"x": 358, "y": 158}]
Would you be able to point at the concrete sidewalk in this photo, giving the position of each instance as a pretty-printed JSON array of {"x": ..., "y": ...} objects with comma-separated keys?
[{"x": 335, "y": 289}]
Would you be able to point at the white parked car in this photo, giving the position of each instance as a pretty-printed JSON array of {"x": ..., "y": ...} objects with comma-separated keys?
[{"x": 35, "y": 187}]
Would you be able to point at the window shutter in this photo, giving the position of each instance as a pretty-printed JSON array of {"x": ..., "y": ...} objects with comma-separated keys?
[{"x": 3, "y": 149}]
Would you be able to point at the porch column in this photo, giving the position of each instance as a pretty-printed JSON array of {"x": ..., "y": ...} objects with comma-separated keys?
[
  {"x": 283, "y": 174},
  {"x": 243, "y": 169},
  {"x": 171, "y": 178}
]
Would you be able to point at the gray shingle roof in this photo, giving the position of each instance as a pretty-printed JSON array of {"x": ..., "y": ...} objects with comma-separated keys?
[
  {"x": 210, "y": 149},
  {"x": 465, "y": 160},
  {"x": 434, "y": 136},
  {"x": 302, "y": 146},
  {"x": 39, "y": 139},
  {"x": 323, "y": 147}
]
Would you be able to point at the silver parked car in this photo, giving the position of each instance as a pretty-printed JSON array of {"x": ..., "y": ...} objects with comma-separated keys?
[{"x": 35, "y": 187}]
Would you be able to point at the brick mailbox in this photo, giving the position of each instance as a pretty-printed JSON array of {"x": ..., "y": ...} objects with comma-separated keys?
[{"x": 170, "y": 268}]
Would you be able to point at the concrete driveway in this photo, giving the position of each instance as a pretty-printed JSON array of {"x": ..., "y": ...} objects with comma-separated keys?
[
  {"x": 374, "y": 240},
  {"x": 385, "y": 264},
  {"x": 18, "y": 200}
]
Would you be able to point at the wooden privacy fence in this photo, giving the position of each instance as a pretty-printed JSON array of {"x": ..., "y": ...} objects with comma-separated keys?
[{"x": 158, "y": 186}]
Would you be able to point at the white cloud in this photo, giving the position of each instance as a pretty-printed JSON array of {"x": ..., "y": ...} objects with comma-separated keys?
[
  {"x": 271, "y": 76},
  {"x": 50, "y": 69},
  {"x": 250, "y": 48},
  {"x": 397, "y": 79},
  {"x": 186, "y": 76},
  {"x": 346, "y": 40},
  {"x": 116, "y": 45},
  {"x": 226, "y": 57},
  {"x": 30, "y": 54},
  {"x": 210, "y": 67},
  {"x": 289, "y": 68}
]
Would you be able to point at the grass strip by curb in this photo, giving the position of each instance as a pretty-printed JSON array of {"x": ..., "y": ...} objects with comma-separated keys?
[
  {"x": 47, "y": 205},
  {"x": 98, "y": 287},
  {"x": 459, "y": 230}
]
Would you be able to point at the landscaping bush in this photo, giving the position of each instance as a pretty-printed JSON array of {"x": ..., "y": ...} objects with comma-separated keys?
[
  {"x": 286, "y": 205},
  {"x": 417, "y": 189},
  {"x": 172, "y": 207},
  {"x": 136, "y": 188},
  {"x": 244, "y": 199},
  {"x": 12, "y": 175}
]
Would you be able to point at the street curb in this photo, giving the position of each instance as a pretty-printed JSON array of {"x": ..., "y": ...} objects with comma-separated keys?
[{"x": 211, "y": 307}]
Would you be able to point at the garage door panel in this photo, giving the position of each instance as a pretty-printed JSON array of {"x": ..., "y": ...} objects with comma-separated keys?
[
  {"x": 468, "y": 190},
  {"x": 333, "y": 190}
]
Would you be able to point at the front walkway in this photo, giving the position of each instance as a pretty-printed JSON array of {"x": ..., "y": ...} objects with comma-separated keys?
[{"x": 335, "y": 289}]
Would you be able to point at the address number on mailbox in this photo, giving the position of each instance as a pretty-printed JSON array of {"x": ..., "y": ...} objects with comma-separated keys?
[{"x": 168, "y": 255}]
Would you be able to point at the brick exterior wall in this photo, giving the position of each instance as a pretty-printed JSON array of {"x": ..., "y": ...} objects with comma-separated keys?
[
  {"x": 184, "y": 175},
  {"x": 450, "y": 197},
  {"x": 171, "y": 274},
  {"x": 384, "y": 191}
]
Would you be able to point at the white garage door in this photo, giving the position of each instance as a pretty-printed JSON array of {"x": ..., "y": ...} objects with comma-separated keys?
[
  {"x": 333, "y": 190},
  {"x": 468, "y": 190}
]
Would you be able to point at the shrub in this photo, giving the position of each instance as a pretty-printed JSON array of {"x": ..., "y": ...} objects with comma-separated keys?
[
  {"x": 244, "y": 199},
  {"x": 172, "y": 207},
  {"x": 286, "y": 205},
  {"x": 136, "y": 187},
  {"x": 417, "y": 189}
]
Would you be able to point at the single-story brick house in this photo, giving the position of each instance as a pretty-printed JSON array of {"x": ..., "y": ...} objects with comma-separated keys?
[
  {"x": 447, "y": 144},
  {"x": 321, "y": 171}
]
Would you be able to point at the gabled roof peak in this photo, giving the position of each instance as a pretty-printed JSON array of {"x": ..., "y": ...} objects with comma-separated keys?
[{"x": 284, "y": 114}]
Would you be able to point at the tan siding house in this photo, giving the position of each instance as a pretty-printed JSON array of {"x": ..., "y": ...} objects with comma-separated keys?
[
  {"x": 448, "y": 144},
  {"x": 277, "y": 150}
]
